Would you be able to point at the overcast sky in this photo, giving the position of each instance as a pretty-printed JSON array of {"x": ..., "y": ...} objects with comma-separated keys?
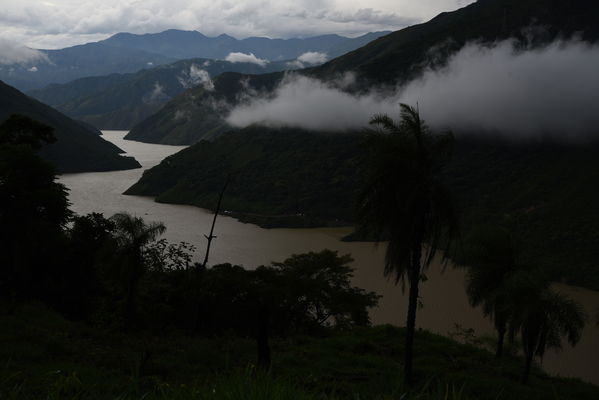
[{"x": 54, "y": 24}]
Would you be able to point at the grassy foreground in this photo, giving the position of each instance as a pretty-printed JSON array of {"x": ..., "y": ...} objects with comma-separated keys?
[{"x": 43, "y": 356}]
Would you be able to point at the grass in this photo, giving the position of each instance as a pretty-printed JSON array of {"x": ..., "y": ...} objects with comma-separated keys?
[{"x": 44, "y": 356}]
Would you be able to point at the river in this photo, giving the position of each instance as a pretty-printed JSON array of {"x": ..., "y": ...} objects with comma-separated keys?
[{"x": 443, "y": 297}]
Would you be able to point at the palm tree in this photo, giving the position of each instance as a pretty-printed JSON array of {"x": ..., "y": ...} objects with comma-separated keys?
[
  {"x": 546, "y": 317},
  {"x": 492, "y": 277},
  {"x": 132, "y": 235},
  {"x": 405, "y": 203}
]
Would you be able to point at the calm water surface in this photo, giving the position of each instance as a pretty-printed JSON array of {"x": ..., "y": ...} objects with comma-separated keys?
[{"x": 443, "y": 297}]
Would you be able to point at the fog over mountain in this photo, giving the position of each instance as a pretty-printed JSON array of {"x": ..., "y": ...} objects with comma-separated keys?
[{"x": 545, "y": 92}]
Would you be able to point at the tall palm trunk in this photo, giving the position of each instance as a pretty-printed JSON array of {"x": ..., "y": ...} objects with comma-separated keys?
[
  {"x": 500, "y": 340},
  {"x": 414, "y": 280},
  {"x": 529, "y": 357}
]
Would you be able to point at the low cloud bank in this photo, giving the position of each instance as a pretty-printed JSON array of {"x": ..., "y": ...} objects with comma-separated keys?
[
  {"x": 308, "y": 59},
  {"x": 245, "y": 58},
  {"x": 13, "y": 53},
  {"x": 552, "y": 91}
]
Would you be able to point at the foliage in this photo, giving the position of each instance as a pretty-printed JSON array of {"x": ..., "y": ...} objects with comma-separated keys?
[
  {"x": 163, "y": 256},
  {"x": 33, "y": 211},
  {"x": 404, "y": 202}
]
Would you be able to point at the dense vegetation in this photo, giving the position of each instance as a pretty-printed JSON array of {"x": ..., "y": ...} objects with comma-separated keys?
[
  {"x": 288, "y": 177},
  {"x": 77, "y": 147},
  {"x": 148, "y": 323},
  {"x": 389, "y": 60}
]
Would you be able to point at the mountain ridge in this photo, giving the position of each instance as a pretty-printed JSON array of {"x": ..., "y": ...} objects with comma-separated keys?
[{"x": 78, "y": 148}]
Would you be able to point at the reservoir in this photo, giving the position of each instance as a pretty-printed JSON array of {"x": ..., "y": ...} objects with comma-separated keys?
[{"x": 444, "y": 302}]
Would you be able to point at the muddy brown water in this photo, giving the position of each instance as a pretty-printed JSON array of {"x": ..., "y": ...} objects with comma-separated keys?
[{"x": 443, "y": 297}]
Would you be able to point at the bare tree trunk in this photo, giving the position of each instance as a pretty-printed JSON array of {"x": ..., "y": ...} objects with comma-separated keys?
[
  {"x": 529, "y": 357},
  {"x": 414, "y": 279},
  {"x": 211, "y": 236}
]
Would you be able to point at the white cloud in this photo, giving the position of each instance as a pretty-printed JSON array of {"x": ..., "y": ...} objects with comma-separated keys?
[
  {"x": 32, "y": 69},
  {"x": 308, "y": 59},
  {"x": 245, "y": 58},
  {"x": 550, "y": 91},
  {"x": 13, "y": 53},
  {"x": 313, "y": 57},
  {"x": 196, "y": 76},
  {"x": 308, "y": 103},
  {"x": 156, "y": 94},
  {"x": 60, "y": 23}
]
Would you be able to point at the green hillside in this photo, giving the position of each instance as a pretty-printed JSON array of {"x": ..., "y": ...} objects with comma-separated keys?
[
  {"x": 78, "y": 148},
  {"x": 393, "y": 58},
  {"x": 287, "y": 177}
]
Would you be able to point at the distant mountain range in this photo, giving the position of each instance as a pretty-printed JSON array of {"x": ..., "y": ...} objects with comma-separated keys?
[
  {"x": 120, "y": 101},
  {"x": 78, "y": 148},
  {"x": 179, "y": 44},
  {"x": 126, "y": 52}
]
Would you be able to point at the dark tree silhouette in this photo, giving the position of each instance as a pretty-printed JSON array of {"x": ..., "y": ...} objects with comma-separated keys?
[
  {"x": 33, "y": 211},
  {"x": 493, "y": 276},
  {"x": 133, "y": 234},
  {"x": 545, "y": 318},
  {"x": 405, "y": 203}
]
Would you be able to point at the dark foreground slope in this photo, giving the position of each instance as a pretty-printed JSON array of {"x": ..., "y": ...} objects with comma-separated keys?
[
  {"x": 388, "y": 60},
  {"x": 78, "y": 148},
  {"x": 292, "y": 178},
  {"x": 45, "y": 357}
]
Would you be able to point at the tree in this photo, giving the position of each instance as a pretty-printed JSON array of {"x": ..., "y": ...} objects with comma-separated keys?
[
  {"x": 33, "y": 211},
  {"x": 492, "y": 277},
  {"x": 404, "y": 202},
  {"x": 546, "y": 317},
  {"x": 133, "y": 234},
  {"x": 305, "y": 293}
]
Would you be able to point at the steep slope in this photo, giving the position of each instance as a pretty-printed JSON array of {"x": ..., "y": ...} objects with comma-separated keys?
[
  {"x": 197, "y": 113},
  {"x": 78, "y": 148},
  {"x": 119, "y": 101},
  {"x": 293, "y": 178},
  {"x": 402, "y": 55}
]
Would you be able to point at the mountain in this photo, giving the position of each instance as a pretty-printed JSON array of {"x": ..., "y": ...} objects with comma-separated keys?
[
  {"x": 180, "y": 44},
  {"x": 127, "y": 52},
  {"x": 119, "y": 101},
  {"x": 78, "y": 148},
  {"x": 292, "y": 178},
  {"x": 179, "y": 122},
  {"x": 397, "y": 57},
  {"x": 91, "y": 59}
]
